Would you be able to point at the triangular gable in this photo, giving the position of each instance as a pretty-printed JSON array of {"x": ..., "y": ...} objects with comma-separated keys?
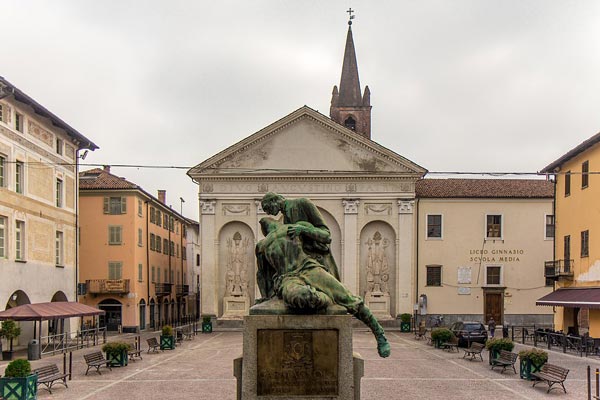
[{"x": 306, "y": 141}]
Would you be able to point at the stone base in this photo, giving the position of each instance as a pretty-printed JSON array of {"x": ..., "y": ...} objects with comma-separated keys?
[
  {"x": 235, "y": 307},
  {"x": 379, "y": 304},
  {"x": 299, "y": 356}
]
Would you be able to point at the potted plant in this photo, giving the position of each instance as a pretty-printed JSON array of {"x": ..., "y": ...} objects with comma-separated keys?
[
  {"x": 18, "y": 383},
  {"x": 495, "y": 345},
  {"x": 441, "y": 335},
  {"x": 405, "y": 322},
  {"x": 206, "y": 324},
  {"x": 531, "y": 360},
  {"x": 9, "y": 331},
  {"x": 117, "y": 353},
  {"x": 167, "y": 340}
]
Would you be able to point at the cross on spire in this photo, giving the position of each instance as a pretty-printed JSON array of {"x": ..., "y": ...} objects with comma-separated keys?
[{"x": 350, "y": 11}]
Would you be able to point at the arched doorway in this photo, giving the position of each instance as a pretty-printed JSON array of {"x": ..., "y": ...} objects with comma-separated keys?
[
  {"x": 165, "y": 317},
  {"x": 173, "y": 312},
  {"x": 113, "y": 317},
  {"x": 142, "y": 314},
  {"x": 19, "y": 298},
  {"x": 56, "y": 325},
  {"x": 152, "y": 314}
]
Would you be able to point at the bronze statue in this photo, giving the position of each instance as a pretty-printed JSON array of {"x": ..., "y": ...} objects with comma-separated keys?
[{"x": 295, "y": 264}]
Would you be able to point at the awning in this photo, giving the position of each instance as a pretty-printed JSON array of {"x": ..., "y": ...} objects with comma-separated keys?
[
  {"x": 572, "y": 297},
  {"x": 47, "y": 311}
]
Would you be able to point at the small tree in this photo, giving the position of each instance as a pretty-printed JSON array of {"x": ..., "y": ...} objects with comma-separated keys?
[
  {"x": 19, "y": 368},
  {"x": 9, "y": 331}
]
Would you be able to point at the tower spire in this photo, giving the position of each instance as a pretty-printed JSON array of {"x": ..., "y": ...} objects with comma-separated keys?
[{"x": 348, "y": 106}]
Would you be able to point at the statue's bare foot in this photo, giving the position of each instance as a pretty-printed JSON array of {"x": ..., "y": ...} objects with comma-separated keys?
[{"x": 383, "y": 347}]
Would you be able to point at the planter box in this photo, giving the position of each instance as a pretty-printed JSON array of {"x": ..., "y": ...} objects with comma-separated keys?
[
  {"x": 493, "y": 355},
  {"x": 167, "y": 342},
  {"x": 206, "y": 327},
  {"x": 118, "y": 359},
  {"x": 19, "y": 388},
  {"x": 526, "y": 368},
  {"x": 404, "y": 326}
]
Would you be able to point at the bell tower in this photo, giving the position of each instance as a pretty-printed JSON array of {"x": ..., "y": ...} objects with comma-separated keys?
[{"x": 348, "y": 107}]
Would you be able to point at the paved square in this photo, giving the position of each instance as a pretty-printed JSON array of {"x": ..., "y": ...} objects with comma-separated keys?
[{"x": 203, "y": 369}]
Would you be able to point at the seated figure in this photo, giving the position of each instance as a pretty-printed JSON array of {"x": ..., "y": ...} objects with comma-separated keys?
[{"x": 287, "y": 271}]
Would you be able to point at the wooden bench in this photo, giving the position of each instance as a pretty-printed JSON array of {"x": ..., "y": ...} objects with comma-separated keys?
[
  {"x": 96, "y": 360},
  {"x": 451, "y": 345},
  {"x": 134, "y": 352},
  {"x": 48, "y": 374},
  {"x": 153, "y": 345},
  {"x": 474, "y": 350},
  {"x": 505, "y": 360},
  {"x": 551, "y": 374}
]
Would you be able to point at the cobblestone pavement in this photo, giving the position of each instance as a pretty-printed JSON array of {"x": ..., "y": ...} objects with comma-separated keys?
[{"x": 202, "y": 369}]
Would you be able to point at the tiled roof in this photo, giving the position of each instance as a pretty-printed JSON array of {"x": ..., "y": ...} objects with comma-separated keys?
[
  {"x": 98, "y": 178},
  {"x": 586, "y": 144},
  {"x": 484, "y": 188}
]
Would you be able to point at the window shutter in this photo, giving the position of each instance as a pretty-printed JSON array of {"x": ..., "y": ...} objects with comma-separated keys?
[
  {"x": 106, "y": 205},
  {"x": 123, "y": 205}
]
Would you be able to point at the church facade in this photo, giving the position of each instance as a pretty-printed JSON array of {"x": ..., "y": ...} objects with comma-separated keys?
[{"x": 365, "y": 192}]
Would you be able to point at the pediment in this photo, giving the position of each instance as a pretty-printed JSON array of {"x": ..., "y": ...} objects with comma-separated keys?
[{"x": 306, "y": 141}]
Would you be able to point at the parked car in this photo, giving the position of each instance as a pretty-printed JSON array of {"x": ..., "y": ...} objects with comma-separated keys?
[{"x": 469, "y": 331}]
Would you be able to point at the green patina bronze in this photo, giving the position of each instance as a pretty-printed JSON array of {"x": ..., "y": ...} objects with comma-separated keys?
[{"x": 295, "y": 264}]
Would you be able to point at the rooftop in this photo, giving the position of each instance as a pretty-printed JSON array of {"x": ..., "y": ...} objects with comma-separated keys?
[{"x": 484, "y": 188}]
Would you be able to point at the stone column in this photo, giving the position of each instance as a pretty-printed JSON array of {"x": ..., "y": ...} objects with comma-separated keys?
[
  {"x": 210, "y": 289},
  {"x": 348, "y": 265},
  {"x": 405, "y": 270}
]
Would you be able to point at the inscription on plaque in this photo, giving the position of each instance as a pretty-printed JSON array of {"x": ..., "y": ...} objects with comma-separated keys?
[{"x": 297, "y": 362}]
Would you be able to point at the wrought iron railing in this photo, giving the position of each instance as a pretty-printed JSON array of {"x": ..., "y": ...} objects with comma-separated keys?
[
  {"x": 558, "y": 268},
  {"x": 163, "y": 289},
  {"x": 183, "y": 290}
]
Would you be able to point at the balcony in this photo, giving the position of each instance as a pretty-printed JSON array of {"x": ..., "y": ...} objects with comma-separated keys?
[
  {"x": 107, "y": 286},
  {"x": 162, "y": 289},
  {"x": 558, "y": 269},
  {"x": 183, "y": 290}
]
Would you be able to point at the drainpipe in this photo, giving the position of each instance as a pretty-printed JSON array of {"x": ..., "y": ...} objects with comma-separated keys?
[
  {"x": 417, "y": 257},
  {"x": 147, "y": 256}
]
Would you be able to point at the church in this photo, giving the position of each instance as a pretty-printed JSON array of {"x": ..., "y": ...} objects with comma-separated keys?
[{"x": 365, "y": 192}]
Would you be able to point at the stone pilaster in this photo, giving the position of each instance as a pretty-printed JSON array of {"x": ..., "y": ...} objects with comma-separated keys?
[
  {"x": 405, "y": 271},
  {"x": 349, "y": 263},
  {"x": 210, "y": 288}
]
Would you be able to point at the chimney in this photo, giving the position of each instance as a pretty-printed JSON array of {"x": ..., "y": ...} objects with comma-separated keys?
[
  {"x": 162, "y": 196},
  {"x": 106, "y": 168}
]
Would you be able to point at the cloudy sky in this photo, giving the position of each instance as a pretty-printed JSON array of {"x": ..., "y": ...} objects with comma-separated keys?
[{"x": 456, "y": 85}]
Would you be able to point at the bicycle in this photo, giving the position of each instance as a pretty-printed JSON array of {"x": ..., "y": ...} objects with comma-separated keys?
[{"x": 435, "y": 321}]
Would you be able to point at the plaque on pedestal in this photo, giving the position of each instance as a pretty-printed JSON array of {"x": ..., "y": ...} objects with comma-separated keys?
[
  {"x": 379, "y": 303},
  {"x": 235, "y": 307},
  {"x": 299, "y": 356}
]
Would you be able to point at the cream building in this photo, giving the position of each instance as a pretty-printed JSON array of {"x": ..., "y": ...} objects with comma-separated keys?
[
  {"x": 482, "y": 245},
  {"x": 39, "y": 156}
]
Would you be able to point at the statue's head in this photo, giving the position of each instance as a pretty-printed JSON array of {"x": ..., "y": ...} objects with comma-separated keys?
[
  {"x": 272, "y": 203},
  {"x": 268, "y": 224}
]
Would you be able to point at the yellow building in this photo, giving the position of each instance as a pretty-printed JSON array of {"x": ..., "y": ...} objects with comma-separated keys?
[
  {"x": 576, "y": 264},
  {"x": 39, "y": 156},
  {"x": 133, "y": 253}
]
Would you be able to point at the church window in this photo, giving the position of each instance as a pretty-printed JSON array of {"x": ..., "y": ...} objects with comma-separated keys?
[
  {"x": 434, "y": 226},
  {"x": 434, "y": 275}
]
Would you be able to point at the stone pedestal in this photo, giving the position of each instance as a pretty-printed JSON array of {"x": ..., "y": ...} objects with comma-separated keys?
[
  {"x": 379, "y": 304},
  {"x": 299, "y": 356},
  {"x": 235, "y": 307}
]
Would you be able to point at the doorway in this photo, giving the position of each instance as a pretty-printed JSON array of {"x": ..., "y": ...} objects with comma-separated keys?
[
  {"x": 112, "y": 318},
  {"x": 493, "y": 306}
]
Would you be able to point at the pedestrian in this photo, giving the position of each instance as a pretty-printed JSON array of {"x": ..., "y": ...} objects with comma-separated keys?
[{"x": 492, "y": 326}]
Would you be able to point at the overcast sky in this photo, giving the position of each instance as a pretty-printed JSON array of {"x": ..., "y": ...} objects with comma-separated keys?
[{"x": 456, "y": 85}]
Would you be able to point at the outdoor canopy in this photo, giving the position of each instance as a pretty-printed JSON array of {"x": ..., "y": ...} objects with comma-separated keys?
[
  {"x": 582, "y": 297},
  {"x": 48, "y": 311}
]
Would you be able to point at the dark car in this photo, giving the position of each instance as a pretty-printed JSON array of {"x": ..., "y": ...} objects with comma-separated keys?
[{"x": 469, "y": 331}]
